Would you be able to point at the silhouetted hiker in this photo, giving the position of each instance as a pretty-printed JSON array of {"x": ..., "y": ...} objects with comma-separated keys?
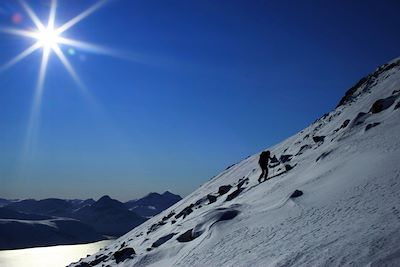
[{"x": 265, "y": 156}]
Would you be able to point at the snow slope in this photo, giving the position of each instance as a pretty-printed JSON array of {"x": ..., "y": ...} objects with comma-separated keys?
[{"x": 347, "y": 166}]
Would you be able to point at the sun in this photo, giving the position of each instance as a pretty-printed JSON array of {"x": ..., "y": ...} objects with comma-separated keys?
[{"x": 48, "y": 37}]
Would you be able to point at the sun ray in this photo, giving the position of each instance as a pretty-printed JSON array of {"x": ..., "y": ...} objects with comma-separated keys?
[
  {"x": 21, "y": 56},
  {"x": 52, "y": 15},
  {"x": 33, "y": 123},
  {"x": 19, "y": 32},
  {"x": 75, "y": 77},
  {"x": 93, "y": 48},
  {"x": 81, "y": 16},
  {"x": 68, "y": 66},
  {"x": 32, "y": 15}
]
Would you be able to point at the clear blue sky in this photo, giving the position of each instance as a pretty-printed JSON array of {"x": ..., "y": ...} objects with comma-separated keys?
[{"x": 215, "y": 81}]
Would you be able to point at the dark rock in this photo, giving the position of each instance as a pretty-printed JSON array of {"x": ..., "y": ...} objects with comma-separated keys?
[
  {"x": 285, "y": 158},
  {"x": 155, "y": 226},
  {"x": 211, "y": 198},
  {"x": 288, "y": 167},
  {"x": 234, "y": 194},
  {"x": 382, "y": 104},
  {"x": 185, "y": 212},
  {"x": 296, "y": 193},
  {"x": 304, "y": 138},
  {"x": 173, "y": 221},
  {"x": 162, "y": 240},
  {"x": 241, "y": 182},
  {"x": 98, "y": 260},
  {"x": 397, "y": 105},
  {"x": 198, "y": 202},
  {"x": 172, "y": 213},
  {"x": 318, "y": 139},
  {"x": 222, "y": 190},
  {"x": 83, "y": 264},
  {"x": 123, "y": 254},
  {"x": 148, "y": 249},
  {"x": 371, "y": 125},
  {"x": 349, "y": 94},
  {"x": 344, "y": 124},
  {"x": 187, "y": 236},
  {"x": 395, "y": 92}
]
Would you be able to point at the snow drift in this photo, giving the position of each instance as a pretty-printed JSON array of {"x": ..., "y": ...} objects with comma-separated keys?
[{"x": 346, "y": 210}]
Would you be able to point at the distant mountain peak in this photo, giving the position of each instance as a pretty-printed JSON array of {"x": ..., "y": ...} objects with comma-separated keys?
[{"x": 104, "y": 198}]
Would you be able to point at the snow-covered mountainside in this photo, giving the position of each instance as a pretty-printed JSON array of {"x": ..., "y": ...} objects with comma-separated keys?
[{"x": 346, "y": 211}]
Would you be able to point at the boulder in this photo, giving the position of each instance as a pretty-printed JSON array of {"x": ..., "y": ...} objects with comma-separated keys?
[
  {"x": 222, "y": 190},
  {"x": 123, "y": 254},
  {"x": 318, "y": 139},
  {"x": 186, "y": 236},
  {"x": 285, "y": 158},
  {"x": 234, "y": 194},
  {"x": 288, "y": 167},
  {"x": 162, "y": 240},
  {"x": 211, "y": 198},
  {"x": 98, "y": 260},
  {"x": 296, "y": 193},
  {"x": 382, "y": 104}
]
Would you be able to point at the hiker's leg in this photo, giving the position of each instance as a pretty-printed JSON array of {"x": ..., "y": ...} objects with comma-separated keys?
[
  {"x": 261, "y": 176},
  {"x": 266, "y": 174}
]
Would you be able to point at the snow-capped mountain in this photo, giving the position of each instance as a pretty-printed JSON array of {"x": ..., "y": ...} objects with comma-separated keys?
[
  {"x": 333, "y": 198},
  {"x": 108, "y": 216},
  {"x": 153, "y": 203}
]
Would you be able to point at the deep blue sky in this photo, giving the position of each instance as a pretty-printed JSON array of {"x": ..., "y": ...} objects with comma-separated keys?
[{"x": 214, "y": 81}]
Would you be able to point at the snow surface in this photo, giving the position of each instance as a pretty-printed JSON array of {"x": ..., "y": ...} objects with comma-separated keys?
[{"x": 349, "y": 213}]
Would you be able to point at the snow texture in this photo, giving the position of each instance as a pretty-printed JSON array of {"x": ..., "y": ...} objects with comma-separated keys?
[{"x": 348, "y": 212}]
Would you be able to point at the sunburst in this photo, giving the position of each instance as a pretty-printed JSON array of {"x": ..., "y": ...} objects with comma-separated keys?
[{"x": 49, "y": 38}]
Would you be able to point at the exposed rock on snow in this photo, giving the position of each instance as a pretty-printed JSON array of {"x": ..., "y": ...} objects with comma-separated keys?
[
  {"x": 296, "y": 193},
  {"x": 211, "y": 198},
  {"x": 371, "y": 125},
  {"x": 318, "y": 139},
  {"x": 186, "y": 236},
  {"x": 383, "y": 104},
  {"x": 162, "y": 240},
  {"x": 222, "y": 190},
  {"x": 124, "y": 254},
  {"x": 285, "y": 158}
]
